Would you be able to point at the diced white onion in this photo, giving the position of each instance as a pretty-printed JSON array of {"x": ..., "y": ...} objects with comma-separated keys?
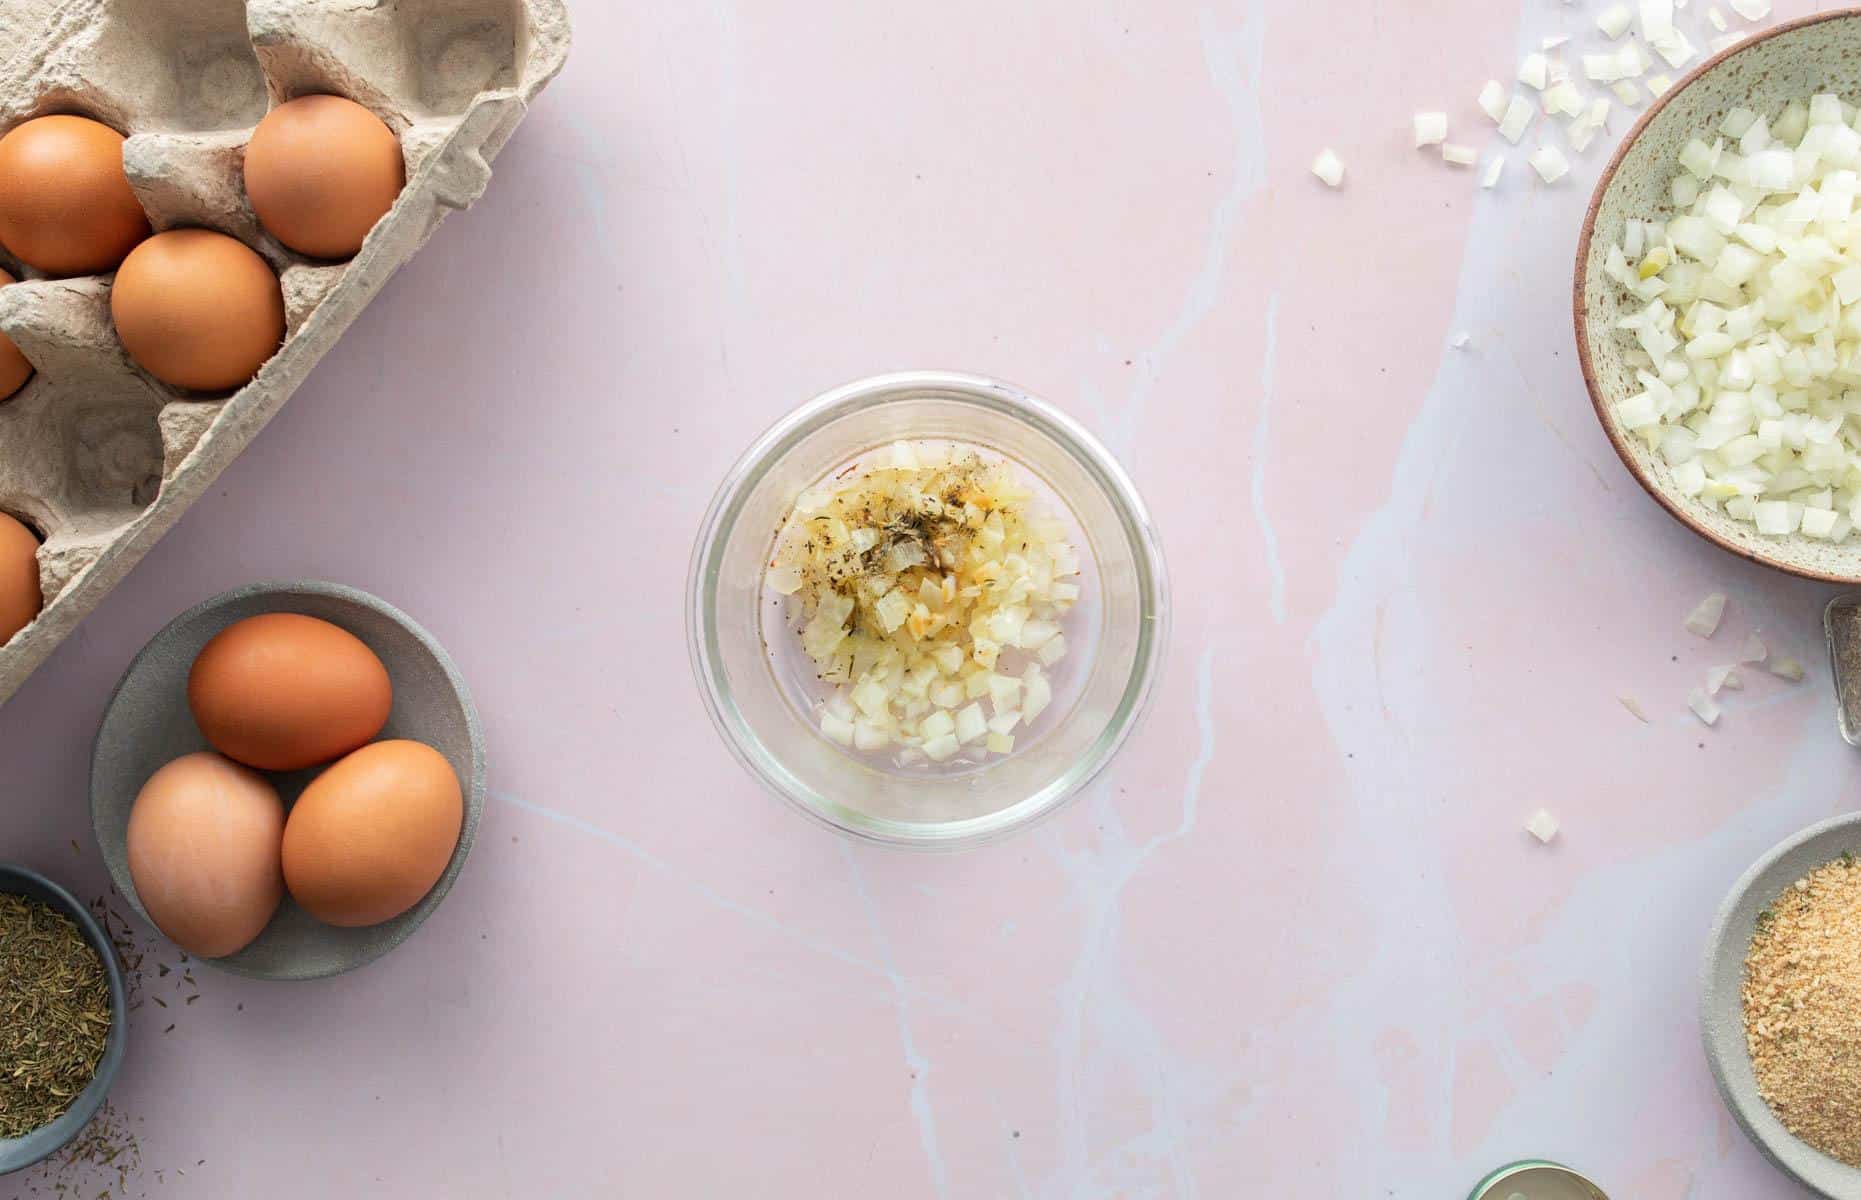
[
  {"x": 836, "y": 729},
  {"x": 1430, "y": 128},
  {"x": 1703, "y": 706},
  {"x": 1038, "y": 695},
  {"x": 1495, "y": 167},
  {"x": 1751, "y": 10},
  {"x": 1542, "y": 825},
  {"x": 1754, "y": 650},
  {"x": 1534, "y": 71},
  {"x": 1563, "y": 98},
  {"x": 1329, "y": 167},
  {"x": 1517, "y": 120},
  {"x": 1615, "y": 20},
  {"x": 1722, "y": 677},
  {"x": 1550, "y": 163},
  {"x": 1634, "y": 708},
  {"x": 1493, "y": 99},
  {"x": 1676, "y": 49},
  {"x": 1703, "y": 621},
  {"x": 941, "y": 748},
  {"x": 1745, "y": 317},
  {"x": 1786, "y": 667},
  {"x": 1458, "y": 155},
  {"x": 1657, "y": 19}
]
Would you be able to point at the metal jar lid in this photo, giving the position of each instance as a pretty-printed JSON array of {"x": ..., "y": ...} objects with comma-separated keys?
[
  {"x": 1535, "y": 1179},
  {"x": 1840, "y": 621}
]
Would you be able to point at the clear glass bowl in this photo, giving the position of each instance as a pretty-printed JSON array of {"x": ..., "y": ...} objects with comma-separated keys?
[{"x": 732, "y": 619}]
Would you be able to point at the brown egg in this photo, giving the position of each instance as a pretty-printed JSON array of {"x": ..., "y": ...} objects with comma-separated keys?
[
  {"x": 20, "y": 598},
  {"x": 198, "y": 309},
  {"x": 282, "y": 692},
  {"x": 372, "y": 835},
  {"x": 320, "y": 171},
  {"x": 65, "y": 204},
  {"x": 14, "y": 369},
  {"x": 204, "y": 838}
]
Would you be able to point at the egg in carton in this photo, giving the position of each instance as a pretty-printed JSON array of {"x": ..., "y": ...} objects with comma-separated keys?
[{"x": 97, "y": 456}]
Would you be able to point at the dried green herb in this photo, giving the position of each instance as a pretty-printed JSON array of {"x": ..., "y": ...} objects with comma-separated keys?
[{"x": 54, "y": 1014}]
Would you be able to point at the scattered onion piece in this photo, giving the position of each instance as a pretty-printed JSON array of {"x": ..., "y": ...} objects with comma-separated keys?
[
  {"x": 1519, "y": 114},
  {"x": 1703, "y": 706},
  {"x": 1751, "y": 10},
  {"x": 1614, "y": 20},
  {"x": 1430, "y": 128},
  {"x": 1659, "y": 85},
  {"x": 1720, "y": 678},
  {"x": 1535, "y": 72},
  {"x": 1703, "y": 621},
  {"x": 1563, "y": 98},
  {"x": 1543, "y": 826},
  {"x": 1550, "y": 163},
  {"x": 1753, "y": 651},
  {"x": 1717, "y": 18},
  {"x": 1494, "y": 170},
  {"x": 1457, "y": 155},
  {"x": 1786, "y": 667},
  {"x": 1634, "y": 709},
  {"x": 1493, "y": 99},
  {"x": 1676, "y": 48},
  {"x": 1329, "y": 167},
  {"x": 1657, "y": 19},
  {"x": 917, "y": 585},
  {"x": 1461, "y": 340}
]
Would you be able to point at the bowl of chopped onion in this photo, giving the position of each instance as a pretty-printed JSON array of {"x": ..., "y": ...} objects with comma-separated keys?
[
  {"x": 926, "y": 609},
  {"x": 1718, "y": 298}
]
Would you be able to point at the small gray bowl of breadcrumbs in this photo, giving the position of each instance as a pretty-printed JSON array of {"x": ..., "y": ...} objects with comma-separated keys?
[{"x": 1780, "y": 1006}]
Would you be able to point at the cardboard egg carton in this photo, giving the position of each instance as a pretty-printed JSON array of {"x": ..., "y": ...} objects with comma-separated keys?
[{"x": 99, "y": 456}]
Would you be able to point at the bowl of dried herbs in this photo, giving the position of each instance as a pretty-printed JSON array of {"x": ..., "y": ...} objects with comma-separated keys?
[{"x": 63, "y": 1018}]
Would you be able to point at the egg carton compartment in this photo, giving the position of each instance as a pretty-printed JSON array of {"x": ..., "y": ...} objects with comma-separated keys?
[{"x": 96, "y": 455}]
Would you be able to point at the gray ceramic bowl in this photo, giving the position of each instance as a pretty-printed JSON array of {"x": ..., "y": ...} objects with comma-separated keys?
[
  {"x": 1722, "y": 1006},
  {"x": 148, "y": 725},
  {"x": 1790, "y": 61},
  {"x": 16, "y": 1154}
]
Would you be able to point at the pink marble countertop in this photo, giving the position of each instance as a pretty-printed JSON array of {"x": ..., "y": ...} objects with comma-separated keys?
[{"x": 1294, "y": 942}]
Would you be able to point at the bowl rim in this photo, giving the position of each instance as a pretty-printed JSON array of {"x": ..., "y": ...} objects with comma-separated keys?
[
  {"x": 1587, "y": 235},
  {"x": 473, "y": 790},
  {"x": 1724, "y": 1047},
  {"x": 91, "y": 1099},
  {"x": 987, "y": 391},
  {"x": 1488, "y": 1187}
]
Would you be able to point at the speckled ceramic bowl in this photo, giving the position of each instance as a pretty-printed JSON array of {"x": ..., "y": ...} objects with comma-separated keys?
[
  {"x": 1722, "y": 1018},
  {"x": 1763, "y": 73}
]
